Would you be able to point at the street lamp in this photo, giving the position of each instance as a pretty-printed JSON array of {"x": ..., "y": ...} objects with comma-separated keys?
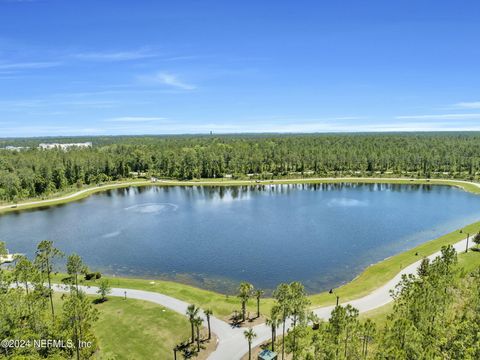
[
  {"x": 466, "y": 248},
  {"x": 334, "y": 293}
]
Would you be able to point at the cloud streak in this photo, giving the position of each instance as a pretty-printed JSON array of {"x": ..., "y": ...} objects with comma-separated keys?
[
  {"x": 460, "y": 116},
  {"x": 29, "y": 65},
  {"x": 135, "y": 119},
  {"x": 167, "y": 79},
  {"x": 468, "y": 105},
  {"x": 114, "y": 56},
  {"x": 125, "y": 127}
]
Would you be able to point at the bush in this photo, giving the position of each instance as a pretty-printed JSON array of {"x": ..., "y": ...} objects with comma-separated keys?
[
  {"x": 92, "y": 275},
  {"x": 89, "y": 276}
]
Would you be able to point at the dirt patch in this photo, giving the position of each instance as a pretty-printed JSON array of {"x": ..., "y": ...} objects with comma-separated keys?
[
  {"x": 207, "y": 347},
  {"x": 236, "y": 321}
]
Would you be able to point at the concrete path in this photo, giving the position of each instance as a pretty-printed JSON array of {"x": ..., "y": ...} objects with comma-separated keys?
[
  {"x": 235, "y": 347},
  {"x": 67, "y": 197},
  {"x": 207, "y": 182},
  {"x": 221, "y": 329},
  {"x": 231, "y": 341}
]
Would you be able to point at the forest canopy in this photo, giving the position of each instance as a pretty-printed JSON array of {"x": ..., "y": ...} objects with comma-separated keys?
[{"x": 28, "y": 171}]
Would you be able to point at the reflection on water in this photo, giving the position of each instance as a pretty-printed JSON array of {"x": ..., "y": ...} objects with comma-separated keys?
[
  {"x": 214, "y": 237},
  {"x": 152, "y": 208}
]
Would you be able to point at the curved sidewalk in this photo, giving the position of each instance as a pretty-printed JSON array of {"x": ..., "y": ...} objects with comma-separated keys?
[
  {"x": 231, "y": 341},
  {"x": 46, "y": 202}
]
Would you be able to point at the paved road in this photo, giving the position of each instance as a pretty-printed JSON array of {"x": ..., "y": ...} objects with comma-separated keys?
[
  {"x": 66, "y": 197},
  {"x": 206, "y": 182},
  {"x": 231, "y": 342},
  {"x": 234, "y": 347},
  {"x": 219, "y": 327}
]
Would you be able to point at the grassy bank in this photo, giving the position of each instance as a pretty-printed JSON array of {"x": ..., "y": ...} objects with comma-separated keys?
[
  {"x": 380, "y": 273},
  {"x": 373, "y": 277},
  {"x": 222, "y": 305},
  {"x": 135, "y": 329},
  {"x": 75, "y": 194}
]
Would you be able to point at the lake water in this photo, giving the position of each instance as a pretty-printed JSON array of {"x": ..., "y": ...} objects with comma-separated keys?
[{"x": 214, "y": 237}]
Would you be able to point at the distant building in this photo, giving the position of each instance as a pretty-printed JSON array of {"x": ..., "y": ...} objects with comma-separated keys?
[
  {"x": 267, "y": 355},
  {"x": 16, "y": 148},
  {"x": 52, "y": 146}
]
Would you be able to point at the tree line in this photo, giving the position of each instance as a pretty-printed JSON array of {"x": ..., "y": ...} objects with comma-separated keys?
[
  {"x": 34, "y": 173},
  {"x": 30, "y": 313},
  {"x": 436, "y": 315}
]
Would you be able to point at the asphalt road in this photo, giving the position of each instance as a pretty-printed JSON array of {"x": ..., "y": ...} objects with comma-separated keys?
[{"x": 231, "y": 342}]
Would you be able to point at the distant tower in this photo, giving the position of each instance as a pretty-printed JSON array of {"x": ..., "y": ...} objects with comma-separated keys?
[{"x": 211, "y": 132}]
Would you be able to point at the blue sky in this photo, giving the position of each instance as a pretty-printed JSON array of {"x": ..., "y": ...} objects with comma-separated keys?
[{"x": 167, "y": 67}]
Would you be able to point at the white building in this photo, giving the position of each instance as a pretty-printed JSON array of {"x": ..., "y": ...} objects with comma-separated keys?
[
  {"x": 51, "y": 146},
  {"x": 16, "y": 148}
]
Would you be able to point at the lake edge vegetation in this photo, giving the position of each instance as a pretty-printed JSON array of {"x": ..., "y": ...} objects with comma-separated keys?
[{"x": 31, "y": 172}]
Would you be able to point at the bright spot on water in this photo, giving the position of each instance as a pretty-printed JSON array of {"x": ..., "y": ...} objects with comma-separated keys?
[
  {"x": 152, "y": 208},
  {"x": 111, "y": 234},
  {"x": 344, "y": 202}
]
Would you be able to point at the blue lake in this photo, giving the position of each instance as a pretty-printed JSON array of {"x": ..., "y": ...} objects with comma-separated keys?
[{"x": 213, "y": 237}]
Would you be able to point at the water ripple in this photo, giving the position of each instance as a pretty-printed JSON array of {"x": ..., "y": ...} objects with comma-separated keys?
[{"x": 152, "y": 208}]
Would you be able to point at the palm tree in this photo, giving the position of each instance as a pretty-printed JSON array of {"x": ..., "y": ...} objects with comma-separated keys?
[
  {"x": 258, "y": 295},
  {"x": 198, "y": 321},
  {"x": 249, "y": 335},
  {"x": 476, "y": 239},
  {"x": 244, "y": 292},
  {"x": 208, "y": 313},
  {"x": 282, "y": 295},
  {"x": 369, "y": 330},
  {"x": 192, "y": 313},
  {"x": 175, "y": 349},
  {"x": 298, "y": 305},
  {"x": 44, "y": 259},
  {"x": 274, "y": 321}
]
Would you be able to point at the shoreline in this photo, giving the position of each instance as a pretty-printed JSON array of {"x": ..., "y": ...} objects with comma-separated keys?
[
  {"x": 370, "y": 278},
  {"x": 465, "y": 185}
]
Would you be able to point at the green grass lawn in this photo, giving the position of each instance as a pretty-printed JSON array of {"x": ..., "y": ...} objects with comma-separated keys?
[
  {"x": 466, "y": 261},
  {"x": 373, "y": 276},
  {"x": 222, "y": 305},
  {"x": 92, "y": 189},
  {"x": 135, "y": 329},
  {"x": 380, "y": 273},
  {"x": 379, "y": 315}
]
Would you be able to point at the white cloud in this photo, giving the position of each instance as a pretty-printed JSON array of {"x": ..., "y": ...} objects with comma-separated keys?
[
  {"x": 191, "y": 127},
  {"x": 439, "y": 117},
  {"x": 169, "y": 79},
  {"x": 136, "y": 119},
  {"x": 114, "y": 56},
  {"x": 468, "y": 105},
  {"x": 28, "y": 65},
  {"x": 21, "y": 105}
]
